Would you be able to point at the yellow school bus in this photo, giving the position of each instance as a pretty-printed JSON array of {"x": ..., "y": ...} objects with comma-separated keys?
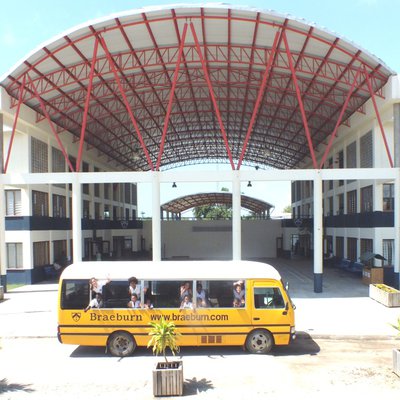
[{"x": 211, "y": 315}]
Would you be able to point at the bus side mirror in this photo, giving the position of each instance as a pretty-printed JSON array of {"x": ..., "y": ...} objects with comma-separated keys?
[{"x": 287, "y": 286}]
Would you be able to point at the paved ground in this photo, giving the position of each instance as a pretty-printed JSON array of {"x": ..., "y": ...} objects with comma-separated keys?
[{"x": 344, "y": 348}]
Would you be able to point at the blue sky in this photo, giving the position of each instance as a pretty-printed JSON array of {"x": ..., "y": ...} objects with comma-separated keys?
[{"x": 371, "y": 24}]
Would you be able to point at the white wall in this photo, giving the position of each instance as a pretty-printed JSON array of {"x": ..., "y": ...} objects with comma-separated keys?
[{"x": 213, "y": 239}]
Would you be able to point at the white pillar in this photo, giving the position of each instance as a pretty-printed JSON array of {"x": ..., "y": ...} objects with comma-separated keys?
[
  {"x": 318, "y": 233},
  {"x": 156, "y": 219},
  {"x": 236, "y": 218},
  {"x": 3, "y": 267},
  {"x": 397, "y": 227},
  {"x": 76, "y": 219}
]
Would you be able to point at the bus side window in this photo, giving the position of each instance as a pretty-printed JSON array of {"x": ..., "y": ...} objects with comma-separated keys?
[
  {"x": 270, "y": 297},
  {"x": 115, "y": 294},
  {"x": 74, "y": 294},
  {"x": 164, "y": 294},
  {"x": 221, "y": 293}
]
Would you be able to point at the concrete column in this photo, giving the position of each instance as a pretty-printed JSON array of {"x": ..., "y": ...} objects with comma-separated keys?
[
  {"x": 3, "y": 266},
  {"x": 318, "y": 233},
  {"x": 76, "y": 219},
  {"x": 156, "y": 220},
  {"x": 236, "y": 218},
  {"x": 397, "y": 228}
]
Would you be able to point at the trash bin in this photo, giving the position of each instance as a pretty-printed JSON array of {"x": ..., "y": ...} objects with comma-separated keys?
[{"x": 372, "y": 275}]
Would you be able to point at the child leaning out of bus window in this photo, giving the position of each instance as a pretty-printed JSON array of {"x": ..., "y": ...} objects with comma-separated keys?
[
  {"x": 96, "y": 302},
  {"x": 239, "y": 293},
  {"x": 134, "y": 303}
]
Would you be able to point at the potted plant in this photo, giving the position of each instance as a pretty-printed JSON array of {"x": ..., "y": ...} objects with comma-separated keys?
[
  {"x": 168, "y": 375},
  {"x": 384, "y": 294},
  {"x": 396, "y": 352}
]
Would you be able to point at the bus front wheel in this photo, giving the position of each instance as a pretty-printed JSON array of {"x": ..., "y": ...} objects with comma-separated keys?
[
  {"x": 259, "y": 341},
  {"x": 121, "y": 344}
]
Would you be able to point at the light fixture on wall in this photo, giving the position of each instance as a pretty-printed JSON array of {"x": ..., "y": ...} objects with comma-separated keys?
[
  {"x": 174, "y": 185},
  {"x": 249, "y": 184}
]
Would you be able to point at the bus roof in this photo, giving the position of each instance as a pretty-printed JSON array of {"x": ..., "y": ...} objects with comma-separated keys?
[{"x": 171, "y": 270}]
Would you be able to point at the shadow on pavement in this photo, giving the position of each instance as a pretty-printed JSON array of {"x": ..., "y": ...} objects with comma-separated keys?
[{"x": 301, "y": 346}]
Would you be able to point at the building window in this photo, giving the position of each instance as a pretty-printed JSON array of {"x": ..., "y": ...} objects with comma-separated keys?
[
  {"x": 59, "y": 206},
  {"x": 388, "y": 250},
  {"x": 367, "y": 246},
  {"x": 115, "y": 191},
  {"x": 41, "y": 254},
  {"x": 39, "y": 156},
  {"x": 366, "y": 151},
  {"x": 340, "y": 162},
  {"x": 107, "y": 191},
  {"x": 388, "y": 197},
  {"x": 13, "y": 202},
  {"x": 339, "y": 250},
  {"x": 40, "y": 204},
  {"x": 134, "y": 195},
  {"x": 86, "y": 209},
  {"x": 96, "y": 210},
  {"x": 352, "y": 202},
  {"x": 57, "y": 163},
  {"x": 340, "y": 199},
  {"x": 85, "y": 186},
  {"x": 351, "y": 157},
  {"x": 330, "y": 166},
  {"x": 127, "y": 193},
  {"x": 96, "y": 185},
  {"x": 367, "y": 203},
  {"x": 60, "y": 251},
  {"x": 330, "y": 206},
  {"x": 352, "y": 249},
  {"x": 14, "y": 255}
]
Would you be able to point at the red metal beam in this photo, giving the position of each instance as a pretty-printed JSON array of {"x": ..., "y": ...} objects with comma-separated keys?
[
  {"x": 21, "y": 90},
  {"x": 378, "y": 118},
  {"x": 42, "y": 106},
  {"x": 303, "y": 114},
  {"x": 338, "y": 122},
  {"x": 210, "y": 88},
  {"x": 87, "y": 102},
  {"x": 171, "y": 96},
  {"x": 259, "y": 98},
  {"x": 122, "y": 91}
]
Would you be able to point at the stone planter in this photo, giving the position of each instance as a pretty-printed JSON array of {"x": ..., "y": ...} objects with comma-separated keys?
[
  {"x": 385, "y": 295},
  {"x": 396, "y": 362},
  {"x": 1, "y": 292},
  {"x": 168, "y": 379}
]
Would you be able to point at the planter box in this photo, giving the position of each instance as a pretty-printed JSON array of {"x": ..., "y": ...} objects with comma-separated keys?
[
  {"x": 168, "y": 379},
  {"x": 389, "y": 297},
  {"x": 396, "y": 361},
  {"x": 372, "y": 275},
  {"x": 1, "y": 292}
]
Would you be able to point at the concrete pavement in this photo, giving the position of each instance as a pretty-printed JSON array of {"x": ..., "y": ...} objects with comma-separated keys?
[{"x": 342, "y": 310}]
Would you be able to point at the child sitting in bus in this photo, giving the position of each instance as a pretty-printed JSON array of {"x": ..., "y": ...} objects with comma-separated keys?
[
  {"x": 186, "y": 303},
  {"x": 148, "y": 304},
  {"x": 134, "y": 303}
]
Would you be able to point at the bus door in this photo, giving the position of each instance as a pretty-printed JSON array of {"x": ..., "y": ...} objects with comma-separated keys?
[{"x": 269, "y": 309}]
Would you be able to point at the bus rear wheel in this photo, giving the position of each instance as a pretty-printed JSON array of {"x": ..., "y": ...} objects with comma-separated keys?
[
  {"x": 259, "y": 341},
  {"x": 121, "y": 344}
]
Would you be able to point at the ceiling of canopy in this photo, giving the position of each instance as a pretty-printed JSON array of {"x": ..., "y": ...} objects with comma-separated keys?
[{"x": 181, "y": 85}]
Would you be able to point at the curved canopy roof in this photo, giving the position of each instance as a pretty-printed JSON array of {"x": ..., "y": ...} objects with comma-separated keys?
[
  {"x": 185, "y": 203},
  {"x": 192, "y": 84}
]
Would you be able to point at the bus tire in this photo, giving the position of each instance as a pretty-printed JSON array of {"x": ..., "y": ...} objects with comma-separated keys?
[
  {"x": 259, "y": 341},
  {"x": 121, "y": 344}
]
